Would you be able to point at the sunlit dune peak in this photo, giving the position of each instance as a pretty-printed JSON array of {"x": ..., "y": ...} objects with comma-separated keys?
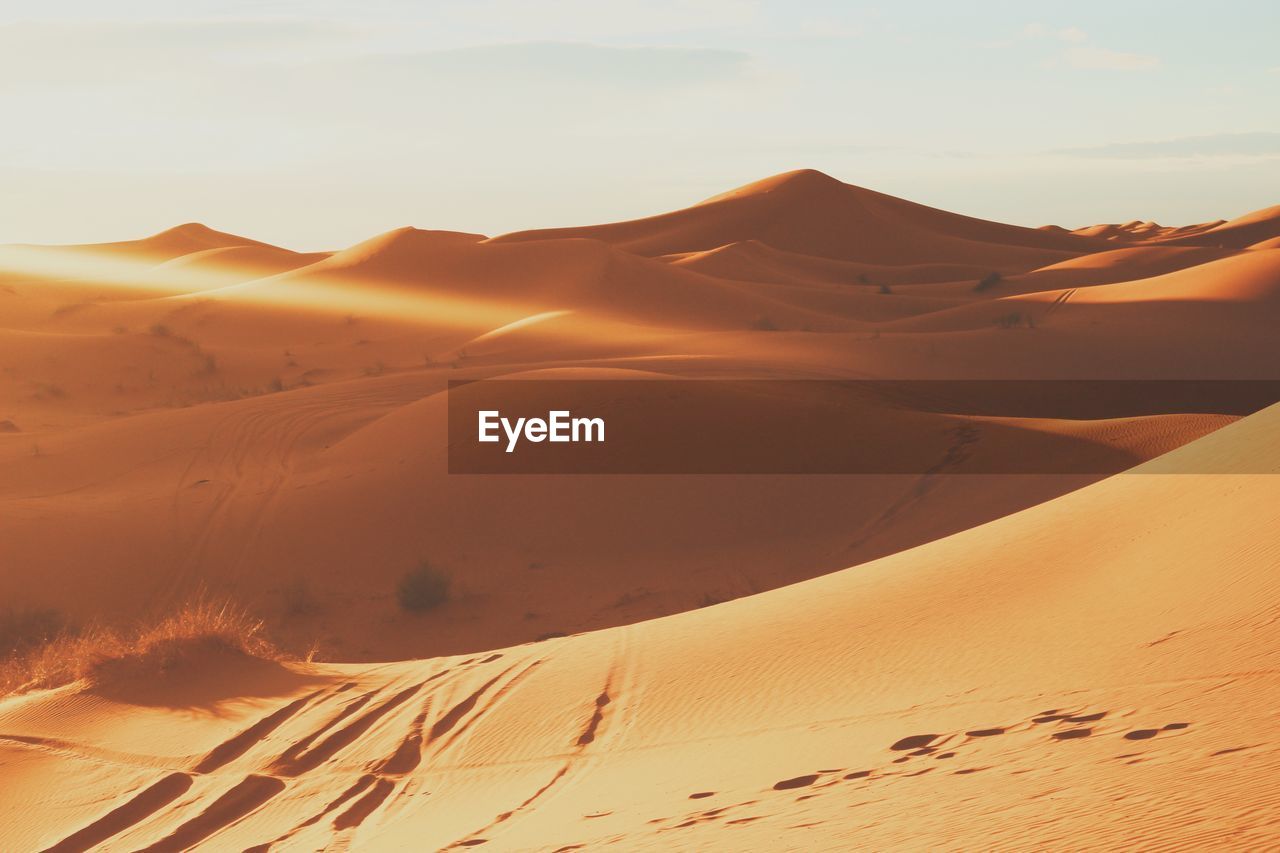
[
  {"x": 406, "y": 240},
  {"x": 186, "y": 238},
  {"x": 795, "y": 181}
]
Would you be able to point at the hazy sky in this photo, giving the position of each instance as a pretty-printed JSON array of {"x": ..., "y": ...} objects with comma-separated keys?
[{"x": 316, "y": 124}]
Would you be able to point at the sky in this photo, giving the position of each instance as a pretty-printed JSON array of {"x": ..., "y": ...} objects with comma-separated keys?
[{"x": 317, "y": 124}]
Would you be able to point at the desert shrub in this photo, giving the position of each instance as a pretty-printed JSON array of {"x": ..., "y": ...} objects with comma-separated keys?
[
  {"x": 1009, "y": 321},
  {"x": 155, "y": 648},
  {"x": 422, "y": 589},
  {"x": 988, "y": 281},
  {"x": 764, "y": 324},
  {"x": 884, "y": 288},
  {"x": 210, "y": 622}
]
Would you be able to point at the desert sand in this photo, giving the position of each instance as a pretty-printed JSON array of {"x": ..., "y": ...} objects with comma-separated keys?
[{"x": 899, "y": 661}]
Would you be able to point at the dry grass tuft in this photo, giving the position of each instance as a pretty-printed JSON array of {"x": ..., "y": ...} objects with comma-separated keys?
[{"x": 200, "y": 627}]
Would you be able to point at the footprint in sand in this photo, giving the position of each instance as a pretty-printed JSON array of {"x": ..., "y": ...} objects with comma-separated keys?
[
  {"x": 913, "y": 742},
  {"x": 985, "y": 732},
  {"x": 1147, "y": 734},
  {"x": 1072, "y": 734},
  {"x": 797, "y": 782}
]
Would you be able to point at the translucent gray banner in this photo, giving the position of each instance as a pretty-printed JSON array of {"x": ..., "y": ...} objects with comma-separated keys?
[{"x": 561, "y": 426}]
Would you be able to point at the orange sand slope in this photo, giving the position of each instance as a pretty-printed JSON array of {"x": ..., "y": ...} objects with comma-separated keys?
[
  {"x": 810, "y": 213},
  {"x": 1087, "y": 673},
  {"x": 198, "y": 413}
]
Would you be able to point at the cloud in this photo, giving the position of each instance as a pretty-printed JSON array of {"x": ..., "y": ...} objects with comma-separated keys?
[
  {"x": 1102, "y": 59},
  {"x": 585, "y": 20},
  {"x": 1260, "y": 144},
  {"x": 1081, "y": 53},
  {"x": 40, "y": 54},
  {"x": 562, "y": 63}
]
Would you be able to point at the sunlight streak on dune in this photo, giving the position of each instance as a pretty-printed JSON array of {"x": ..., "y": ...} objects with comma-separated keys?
[{"x": 86, "y": 266}]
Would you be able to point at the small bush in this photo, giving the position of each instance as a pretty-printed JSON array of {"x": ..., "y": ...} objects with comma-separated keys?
[
  {"x": 157, "y": 648},
  {"x": 988, "y": 281},
  {"x": 884, "y": 288},
  {"x": 422, "y": 589},
  {"x": 764, "y": 324}
]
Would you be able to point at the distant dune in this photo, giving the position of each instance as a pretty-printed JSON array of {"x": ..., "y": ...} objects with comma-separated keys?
[
  {"x": 1240, "y": 232},
  {"x": 177, "y": 241},
  {"x": 809, "y": 213}
]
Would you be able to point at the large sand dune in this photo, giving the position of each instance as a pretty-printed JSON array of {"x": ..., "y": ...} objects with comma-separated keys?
[
  {"x": 810, "y": 213},
  {"x": 1089, "y": 653},
  {"x": 663, "y": 661}
]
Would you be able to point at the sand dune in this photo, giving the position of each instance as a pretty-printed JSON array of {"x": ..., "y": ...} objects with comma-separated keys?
[
  {"x": 935, "y": 728},
  {"x": 755, "y": 261},
  {"x": 291, "y": 491},
  {"x": 809, "y": 213},
  {"x": 657, "y": 660},
  {"x": 171, "y": 243},
  {"x": 1237, "y": 292},
  {"x": 257, "y": 261},
  {"x": 1238, "y": 233},
  {"x": 1139, "y": 231}
]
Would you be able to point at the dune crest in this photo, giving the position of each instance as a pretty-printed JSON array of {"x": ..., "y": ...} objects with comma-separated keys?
[{"x": 811, "y": 213}]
